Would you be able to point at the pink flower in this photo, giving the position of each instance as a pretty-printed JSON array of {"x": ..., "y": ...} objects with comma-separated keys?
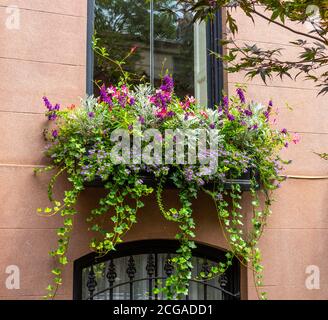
[
  {"x": 296, "y": 138},
  {"x": 133, "y": 49},
  {"x": 111, "y": 90},
  {"x": 125, "y": 89},
  {"x": 204, "y": 114},
  {"x": 191, "y": 99},
  {"x": 164, "y": 113},
  {"x": 188, "y": 101}
]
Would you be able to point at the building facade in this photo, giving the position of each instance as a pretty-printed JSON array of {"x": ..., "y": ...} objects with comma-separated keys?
[{"x": 45, "y": 52}]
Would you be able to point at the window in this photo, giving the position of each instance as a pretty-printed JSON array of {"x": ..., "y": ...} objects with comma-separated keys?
[
  {"x": 166, "y": 39},
  {"x": 130, "y": 273}
]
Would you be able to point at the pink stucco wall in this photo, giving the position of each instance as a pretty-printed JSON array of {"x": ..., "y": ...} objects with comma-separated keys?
[
  {"x": 46, "y": 56},
  {"x": 296, "y": 235}
]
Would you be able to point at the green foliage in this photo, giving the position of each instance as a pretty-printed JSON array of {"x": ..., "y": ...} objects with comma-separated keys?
[
  {"x": 266, "y": 63},
  {"x": 81, "y": 146}
]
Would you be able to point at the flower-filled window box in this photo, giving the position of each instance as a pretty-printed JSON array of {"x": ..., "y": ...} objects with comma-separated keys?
[{"x": 136, "y": 140}]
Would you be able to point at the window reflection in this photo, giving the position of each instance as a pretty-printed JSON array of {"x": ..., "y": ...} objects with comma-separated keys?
[{"x": 179, "y": 45}]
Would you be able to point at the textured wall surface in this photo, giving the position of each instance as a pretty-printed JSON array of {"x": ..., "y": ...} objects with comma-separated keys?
[
  {"x": 46, "y": 56},
  {"x": 296, "y": 235}
]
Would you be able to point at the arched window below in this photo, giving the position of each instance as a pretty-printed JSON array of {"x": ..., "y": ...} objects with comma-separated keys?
[{"x": 131, "y": 272}]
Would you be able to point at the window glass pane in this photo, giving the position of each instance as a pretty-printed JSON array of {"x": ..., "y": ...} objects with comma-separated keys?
[
  {"x": 172, "y": 42},
  {"x": 121, "y": 25},
  {"x": 174, "y": 45}
]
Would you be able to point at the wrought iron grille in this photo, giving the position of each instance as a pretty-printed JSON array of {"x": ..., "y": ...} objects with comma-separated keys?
[{"x": 135, "y": 269}]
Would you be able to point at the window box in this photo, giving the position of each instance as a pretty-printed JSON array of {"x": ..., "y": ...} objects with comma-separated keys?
[{"x": 150, "y": 180}]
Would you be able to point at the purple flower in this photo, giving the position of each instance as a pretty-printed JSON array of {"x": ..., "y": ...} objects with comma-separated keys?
[
  {"x": 284, "y": 131},
  {"x": 141, "y": 120},
  {"x": 230, "y": 117},
  {"x": 52, "y": 109},
  {"x": 160, "y": 99},
  {"x": 103, "y": 91},
  {"x": 56, "y": 107},
  {"x": 267, "y": 114},
  {"x": 91, "y": 114},
  {"x": 270, "y": 103},
  {"x": 55, "y": 133},
  {"x": 104, "y": 96},
  {"x": 122, "y": 101},
  {"x": 189, "y": 174},
  {"x": 47, "y": 103},
  {"x": 49, "y": 106},
  {"x": 241, "y": 95},
  {"x": 248, "y": 113},
  {"x": 200, "y": 182},
  {"x": 212, "y": 125},
  {"x": 226, "y": 101},
  {"x": 167, "y": 84},
  {"x": 219, "y": 197},
  {"x": 131, "y": 101},
  {"x": 130, "y": 127},
  {"x": 52, "y": 117}
]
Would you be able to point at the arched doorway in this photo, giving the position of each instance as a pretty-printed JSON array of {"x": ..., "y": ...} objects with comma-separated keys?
[{"x": 132, "y": 271}]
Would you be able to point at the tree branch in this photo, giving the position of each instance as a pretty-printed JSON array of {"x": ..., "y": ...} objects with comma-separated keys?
[{"x": 325, "y": 41}]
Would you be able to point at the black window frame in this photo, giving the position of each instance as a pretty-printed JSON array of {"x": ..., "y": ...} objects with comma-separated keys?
[
  {"x": 153, "y": 246},
  {"x": 215, "y": 74}
]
